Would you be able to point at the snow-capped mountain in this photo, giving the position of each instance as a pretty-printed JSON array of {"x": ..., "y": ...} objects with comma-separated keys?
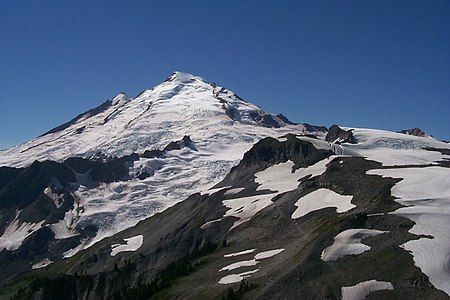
[
  {"x": 214, "y": 117},
  {"x": 127, "y": 159},
  {"x": 298, "y": 211}
]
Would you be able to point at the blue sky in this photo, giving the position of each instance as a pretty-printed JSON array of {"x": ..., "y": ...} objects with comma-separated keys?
[{"x": 379, "y": 64}]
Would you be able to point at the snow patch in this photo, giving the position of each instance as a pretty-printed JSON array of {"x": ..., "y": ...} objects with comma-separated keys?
[
  {"x": 322, "y": 198},
  {"x": 363, "y": 289},
  {"x": 207, "y": 224},
  {"x": 132, "y": 244},
  {"x": 267, "y": 254},
  {"x": 43, "y": 263},
  {"x": 252, "y": 262},
  {"x": 63, "y": 229},
  {"x": 57, "y": 199},
  {"x": 16, "y": 233},
  {"x": 348, "y": 242},
  {"x": 245, "y": 208},
  {"x": 240, "y": 253},
  {"x": 281, "y": 178},
  {"x": 75, "y": 250},
  {"x": 233, "y": 278},
  {"x": 215, "y": 190},
  {"x": 234, "y": 191},
  {"x": 239, "y": 264}
]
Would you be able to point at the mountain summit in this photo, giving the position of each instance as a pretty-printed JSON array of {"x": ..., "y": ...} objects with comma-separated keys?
[{"x": 184, "y": 104}]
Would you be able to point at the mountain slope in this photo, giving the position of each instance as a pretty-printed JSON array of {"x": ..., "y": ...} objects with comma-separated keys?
[
  {"x": 298, "y": 218},
  {"x": 122, "y": 162},
  {"x": 182, "y": 105},
  {"x": 186, "y": 190}
]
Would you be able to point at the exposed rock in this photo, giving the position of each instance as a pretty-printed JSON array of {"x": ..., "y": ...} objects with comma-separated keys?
[
  {"x": 286, "y": 120},
  {"x": 156, "y": 153},
  {"x": 270, "y": 151},
  {"x": 178, "y": 145},
  {"x": 414, "y": 131},
  {"x": 315, "y": 128},
  {"x": 338, "y": 136}
]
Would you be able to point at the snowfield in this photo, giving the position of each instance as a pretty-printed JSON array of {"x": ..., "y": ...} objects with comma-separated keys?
[
  {"x": 395, "y": 149},
  {"x": 425, "y": 193}
]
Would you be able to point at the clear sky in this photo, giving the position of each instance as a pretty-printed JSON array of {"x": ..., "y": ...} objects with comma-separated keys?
[{"x": 378, "y": 64}]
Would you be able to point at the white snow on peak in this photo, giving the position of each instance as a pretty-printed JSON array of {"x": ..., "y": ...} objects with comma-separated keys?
[
  {"x": 184, "y": 77},
  {"x": 120, "y": 99},
  {"x": 222, "y": 126},
  {"x": 361, "y": 290},
  {"x": 214, "y": 117},
  {"x": 348, "y": 242}
]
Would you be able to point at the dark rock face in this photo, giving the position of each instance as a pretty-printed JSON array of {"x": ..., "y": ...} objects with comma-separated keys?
[
  {"x": 102, "y": 170},
  {"x": 7, "y": 174},
  {"x": 337, "y": 135},
  {"x": 270, "y": 151},
  {"x": 185, "y": 142},
  {"x": 28, "y": 185},
  {"x": 178, "y": 145},
  {"x": 153, "y": 154},
  {"x": 414, "y": 131},
  {"x": 312, "y": 128},
  {"x": 286, "y": 120}
]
